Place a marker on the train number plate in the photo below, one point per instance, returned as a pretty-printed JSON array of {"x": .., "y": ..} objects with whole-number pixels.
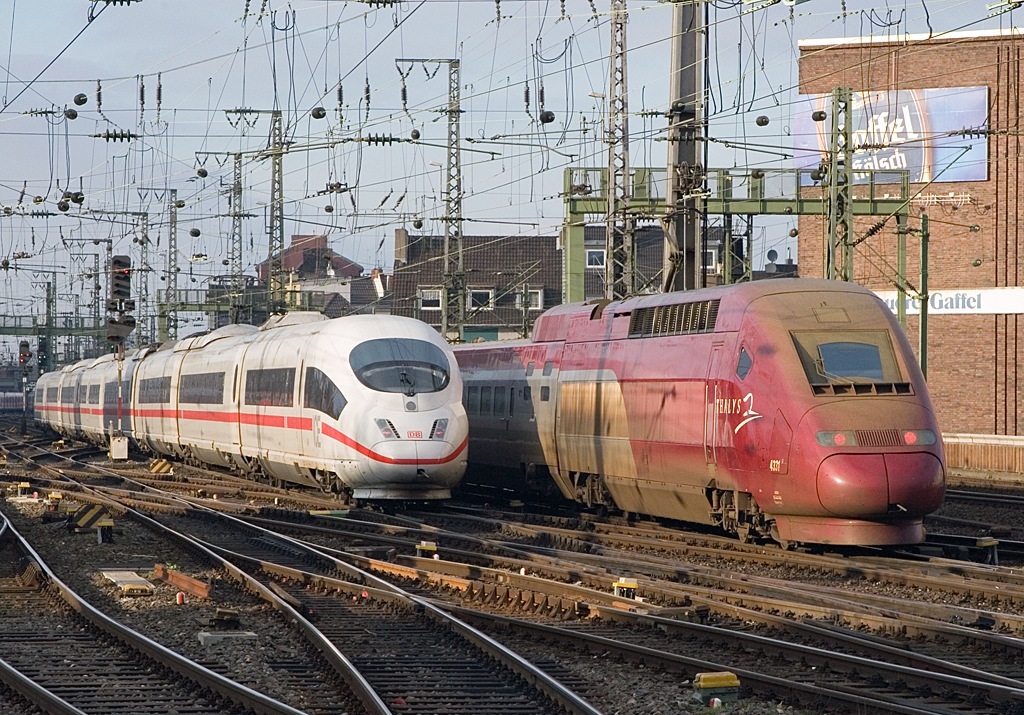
[{"x": 414, "y": 434}]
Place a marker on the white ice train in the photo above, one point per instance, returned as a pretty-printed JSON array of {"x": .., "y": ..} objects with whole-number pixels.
[{"x": 370, "y": 405}]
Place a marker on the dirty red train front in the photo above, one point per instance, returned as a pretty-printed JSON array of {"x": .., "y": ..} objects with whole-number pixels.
[{"x": 792, "y": 409}]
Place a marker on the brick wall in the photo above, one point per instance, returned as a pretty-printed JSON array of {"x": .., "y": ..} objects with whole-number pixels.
[{"x": 973, "y": 372}]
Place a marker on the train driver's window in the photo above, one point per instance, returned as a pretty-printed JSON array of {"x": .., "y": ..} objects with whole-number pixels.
[
  {"x": 744, "y": 364},
  {"x": 322, "y": 394}
]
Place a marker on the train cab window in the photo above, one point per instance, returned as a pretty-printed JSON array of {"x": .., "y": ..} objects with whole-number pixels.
[
  {"x": 548, "y": 367},
  {"x": 473, "y": 400},
  {"x": 205, "y": 388},
  {"x": 545, "y": 394},
  {"x": 744, "y": 364},
  {"x": 273, "y": 387},
  {"x": 499, "y": 402},
  {"x": 400, "y": 365},
  {"x": 849, "y": 357},
  {"x": 485, "y": 400},
  {"x": 321, "y": 394}
]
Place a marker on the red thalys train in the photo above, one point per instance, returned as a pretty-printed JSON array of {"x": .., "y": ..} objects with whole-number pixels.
[{"x": 791, "y": 409}]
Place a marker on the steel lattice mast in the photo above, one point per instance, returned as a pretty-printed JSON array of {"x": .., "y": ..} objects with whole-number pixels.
[{"x": 619, "y": 233}]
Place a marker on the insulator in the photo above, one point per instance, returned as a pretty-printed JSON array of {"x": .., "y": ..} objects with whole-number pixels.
[
  {"x": 366, "y": 92},
  {"x": 547, "y": 116},
  {"x": 761, "y": 121},
  {"x": 37, "y": 199},
  {"x": 142, "y": 93},
  {"x": 179, "y": 204},
  {"x": 194, "y": 232},
  {"x": 80, "y": 99},
  {"x": 71, "y": 113},
  {"x": 526, "y": 95},
  {"x": 202, "y": 173},
  {"x": 415, "y": 134},
  {"x": 793, "y": 233},
  {"x": 78, "y": 197},
  {"x": 818, "y": 115},
  {"x": 405, "y": 97},
  {"x": 341, "y": 95},
  {"x": 328, "y": 208},
  {"x": 417, "y": 223},
  {"x": 318, "y": 113},
  {"x": 99, "y": 95},
  {"x": 497, "y": 9},
  {"x": 540, "y": 95},
  {"x": 63, "y": 206}
]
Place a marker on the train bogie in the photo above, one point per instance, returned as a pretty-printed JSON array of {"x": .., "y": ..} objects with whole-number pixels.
[{"x": 785, "y": 408}]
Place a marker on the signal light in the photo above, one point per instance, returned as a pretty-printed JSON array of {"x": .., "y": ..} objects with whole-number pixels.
[
  {"x": 118, "y": 330},
  {"x": 836, "y": 439},
  {"x": 439, "y": 429},
  {"x": 120, "y": 278},
  {"x": 42, "y": 353},
  {"x": 918, "y": 437},
  {"x": 24, "y": 353},
  {"x": 386, "y": 429}
]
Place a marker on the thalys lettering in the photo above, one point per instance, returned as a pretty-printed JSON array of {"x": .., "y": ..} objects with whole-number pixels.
[
  {"x": 368, "y": 406},
  {"x": 788, "y": 409}
]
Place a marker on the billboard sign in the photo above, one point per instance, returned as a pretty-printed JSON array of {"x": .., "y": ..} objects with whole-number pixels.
[
  {"x": 962, "y": 301},
  {"x": 907, "y": 129}
]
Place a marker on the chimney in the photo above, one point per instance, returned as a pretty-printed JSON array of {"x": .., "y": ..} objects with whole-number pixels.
[{"x": 401, "y": 245}]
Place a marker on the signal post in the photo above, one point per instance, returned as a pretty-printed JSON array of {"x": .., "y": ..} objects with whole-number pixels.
[{"x": 120, "y": 323}]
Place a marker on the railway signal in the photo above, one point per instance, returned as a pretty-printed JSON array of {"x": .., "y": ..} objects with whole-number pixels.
[
  {"x": 118, "y": 329},
  {"x": 43, "y": 353},
  {"x": 120, "y": 281},
  {"x": 24, "y": 355}
]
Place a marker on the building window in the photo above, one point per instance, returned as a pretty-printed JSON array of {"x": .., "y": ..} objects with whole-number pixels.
[
  {"x": 430, "y": 298},
  {"x": 536, "y": 300},
  {"x": 595, "y": 258},
  {"x": 480, "y": 299}
]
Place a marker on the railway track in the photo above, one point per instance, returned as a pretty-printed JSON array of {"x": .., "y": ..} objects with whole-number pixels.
[
  {"x": 494, "y": 567},
  {"x": 64, "y": 656}
]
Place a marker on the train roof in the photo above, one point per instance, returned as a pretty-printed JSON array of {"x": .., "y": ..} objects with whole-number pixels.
[{"x": 589, "y": 319}]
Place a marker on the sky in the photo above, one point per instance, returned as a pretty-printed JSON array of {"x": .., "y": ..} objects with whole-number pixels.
[{"x": 166, "y": 71}]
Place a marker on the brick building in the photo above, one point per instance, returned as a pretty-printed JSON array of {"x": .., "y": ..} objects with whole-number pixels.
[
  {"x": 913, "y": 90},
  {"x": 510, "y": 280}
]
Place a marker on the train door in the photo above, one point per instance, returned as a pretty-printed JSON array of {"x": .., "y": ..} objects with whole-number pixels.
[{"x": 711, "y": 404}]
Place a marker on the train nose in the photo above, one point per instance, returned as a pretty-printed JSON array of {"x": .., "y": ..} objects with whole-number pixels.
[
  {"x": 874, "y": 485},
  {"x": 428, "y": 461}
]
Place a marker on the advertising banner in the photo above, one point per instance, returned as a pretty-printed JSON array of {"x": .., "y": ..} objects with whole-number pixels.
[
  {"x": 965, "y": 301},
  {"x": 906, "y": 129}
]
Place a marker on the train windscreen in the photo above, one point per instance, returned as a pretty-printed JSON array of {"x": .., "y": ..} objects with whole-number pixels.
[
  {"x": 400, "y": 365},
  {"x": 847, "y": 357}
]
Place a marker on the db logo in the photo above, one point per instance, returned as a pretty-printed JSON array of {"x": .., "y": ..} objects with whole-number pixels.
[{"x": 414, "y": 434}]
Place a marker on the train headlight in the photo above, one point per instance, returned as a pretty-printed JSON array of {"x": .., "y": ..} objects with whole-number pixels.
[
  {"x": 440, "y": 428},
  {"x": 837, "y": 439},
  {"x": 918, "y": 437},
  {"x": 387, "y": 429}
]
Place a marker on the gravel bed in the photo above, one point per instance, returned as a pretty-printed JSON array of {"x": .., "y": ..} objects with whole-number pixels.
[{"x": 258, "y": 663}]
